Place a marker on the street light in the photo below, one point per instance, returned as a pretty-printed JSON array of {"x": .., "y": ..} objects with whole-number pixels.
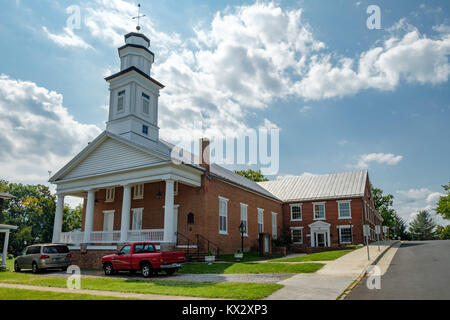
[{"x": 242, "y": 230}]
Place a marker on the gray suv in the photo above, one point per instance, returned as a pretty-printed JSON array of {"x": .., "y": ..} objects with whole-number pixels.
[{"x": 43, "y": 256}]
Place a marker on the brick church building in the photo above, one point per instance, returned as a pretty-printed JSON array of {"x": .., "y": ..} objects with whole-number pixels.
[{"x": 133, "y": 191}]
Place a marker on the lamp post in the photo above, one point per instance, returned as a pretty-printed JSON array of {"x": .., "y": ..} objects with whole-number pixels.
[{"x": 242, "y": 230}]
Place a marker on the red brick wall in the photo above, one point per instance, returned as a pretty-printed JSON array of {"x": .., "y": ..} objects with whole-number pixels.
[
  {"x": 92, "y": 259},
  {"x": 229, "y": 243},
  {"x": 331, "y": 216},
  {"x": 204, "y": 203}
]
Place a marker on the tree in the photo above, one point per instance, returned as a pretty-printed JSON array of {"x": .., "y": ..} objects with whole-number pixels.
[
  {"x": 423, "y": 227},
  {"x": 443, "y": 233},
  {"x": 32, "y": 209},
  {"x": 384, "y": 205},
  {"x": 443, "y": 205},
  {"x": 256, "y": 176},
  {"x": 72, "y": 218}
]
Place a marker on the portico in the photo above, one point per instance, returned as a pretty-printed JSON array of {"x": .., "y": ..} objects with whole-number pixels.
[
  {"x": 320, "y": 234},
  {"x": 125, "y": 182}
]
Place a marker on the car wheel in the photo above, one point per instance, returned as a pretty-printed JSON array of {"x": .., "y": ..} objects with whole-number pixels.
[
  {"x": 146, "y": 270},
  {"x": 16, "y": 266},
  {"x": 34, "y": 268},
  {"x": 108, "y": 269},
  {"x": 170, "y": 272}
]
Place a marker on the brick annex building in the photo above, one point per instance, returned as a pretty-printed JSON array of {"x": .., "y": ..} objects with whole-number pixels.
[{"x": 133, "y": 191}]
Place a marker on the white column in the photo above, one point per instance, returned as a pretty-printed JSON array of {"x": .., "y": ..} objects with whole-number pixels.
[
  {"x": 126, "y": 209},
  {"x": 57, "y": 224},
  {"x": 312, "y": 238},
  {"x": 328, "y": 238},
  {"x": 169, "y": 232},
  {"x": 5, "y": 249},
  {"x": 89, "y": 218}
]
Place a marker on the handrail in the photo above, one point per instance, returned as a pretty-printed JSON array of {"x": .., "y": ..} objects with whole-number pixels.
[
  {"x": 209, "y": 243},
  {"x": 182, "y": 236}
]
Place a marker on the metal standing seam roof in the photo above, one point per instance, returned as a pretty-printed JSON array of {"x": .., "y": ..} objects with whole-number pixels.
[{"x": 318, "y": 187}]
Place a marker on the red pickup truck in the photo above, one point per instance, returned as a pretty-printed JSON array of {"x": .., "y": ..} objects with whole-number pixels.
[{"x": 145, "y": 257}]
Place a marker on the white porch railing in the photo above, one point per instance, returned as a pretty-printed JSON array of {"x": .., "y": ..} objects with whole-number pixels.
[
  {"x": 152, "y": 235},
  {"x": 72, "y": 237},
  {"x": 105, "y": 236}
]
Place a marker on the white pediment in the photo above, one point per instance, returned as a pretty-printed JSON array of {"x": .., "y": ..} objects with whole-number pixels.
[
  {"x": 320, "y": 225},
  {"x": 111, "y": 155}
]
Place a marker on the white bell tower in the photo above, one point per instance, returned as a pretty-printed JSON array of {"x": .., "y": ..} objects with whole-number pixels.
[{"x": 133, "y": 103}]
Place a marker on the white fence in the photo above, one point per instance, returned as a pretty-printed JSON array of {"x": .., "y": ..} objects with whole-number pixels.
[{"x": 152, "y": 235}]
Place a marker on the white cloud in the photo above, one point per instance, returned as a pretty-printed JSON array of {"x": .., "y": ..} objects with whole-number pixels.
[
  {"x": 38, "y": 133},
  {"x": 67, "y": 39},
  {"x": 408, "y": 203},
  {"x": 382, "y": 158}
]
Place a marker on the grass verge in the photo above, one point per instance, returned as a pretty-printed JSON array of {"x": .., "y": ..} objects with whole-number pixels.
[
  {"x": 225, "y": 290},
  {"x": 319, "y": 256},
  {"x": 248, "y": 257},
  {"x": 251, "y": 268},
  {"x": 22, "y": 294}
]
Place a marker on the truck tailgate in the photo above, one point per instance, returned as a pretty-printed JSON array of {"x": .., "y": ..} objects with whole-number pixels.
[{"x": 173, "y": 257}]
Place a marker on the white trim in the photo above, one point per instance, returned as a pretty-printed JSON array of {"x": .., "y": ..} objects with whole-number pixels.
[
  {"x": 301, "y": 211},
  {"x": 138, "y": 191},
  {"x": 243, "y": 205},
  {"x": 324, "y": 210},
  {"x": 349, "y": 208},
  {"x": 339, "y": 233},
  {"x": 223, "y": 200},
  {"x": 137, "y": 211},
  {"x": 292, "y": 235},
  {"x": 94, "y": 247},
  {"x": 275, "y": 234},
  {"x": 110, "y": 194},
  {"x": 260, "y": 221}
]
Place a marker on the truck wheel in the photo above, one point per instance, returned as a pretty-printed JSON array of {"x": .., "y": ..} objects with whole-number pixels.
[
  {"x": 16, "y": 267},
  {"x": 171, "y": 271},
  {"x": 108, "y": 269},
  {"x": 146, "y": 270},
  {"x": 34, "y": 268}
]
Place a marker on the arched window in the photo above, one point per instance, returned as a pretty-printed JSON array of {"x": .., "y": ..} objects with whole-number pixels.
[{"x": 190, "y": 218}]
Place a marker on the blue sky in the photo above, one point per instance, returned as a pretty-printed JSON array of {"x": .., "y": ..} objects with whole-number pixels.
[{"x": 343, "y": 96}]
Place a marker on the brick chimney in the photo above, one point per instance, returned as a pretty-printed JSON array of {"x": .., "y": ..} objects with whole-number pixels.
[{"x": 204, "y": 153}]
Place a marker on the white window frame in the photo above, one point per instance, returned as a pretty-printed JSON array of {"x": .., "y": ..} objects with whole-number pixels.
[
  {"x": 244, "y": 217},
  {"x": 109, "y": 194},
  {"x": 299, "y": 205},
  {"x": 340, "y": 237},
  {"x": 121, "y": 95},
  {"x": 260, "y": 220},
  {"x": 292, "y": 234},
  {"x": 274, "y": 225},
  {"x": 349, "y": 208},
  {"x": 223, "y": 214},
  {"x": 136, "y": 211},
  {"x": 108, "y": 212},
  {"x": 138, "y": 191},
  {"x": 324, "y": 210}
]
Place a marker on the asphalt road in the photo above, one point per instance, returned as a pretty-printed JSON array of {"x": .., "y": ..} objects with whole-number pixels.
[{"x": 419, "y": 270}]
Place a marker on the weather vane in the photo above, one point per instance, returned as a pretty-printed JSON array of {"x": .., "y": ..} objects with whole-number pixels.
[{"x": 138, "y": 27}]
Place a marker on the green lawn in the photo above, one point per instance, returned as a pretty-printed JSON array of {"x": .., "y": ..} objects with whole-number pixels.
[
  {"x": 319, "y": 256},
  {"x": 21, "y": 294},
  {"x": 228, "y": 267},
  {"x": 227, "y": 290},
  {"x": 249, "y": 256}
]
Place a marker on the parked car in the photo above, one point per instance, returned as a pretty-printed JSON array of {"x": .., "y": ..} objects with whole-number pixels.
[
  {"x": 145, "y": 257},
  {"x": 43, "y": 256}
]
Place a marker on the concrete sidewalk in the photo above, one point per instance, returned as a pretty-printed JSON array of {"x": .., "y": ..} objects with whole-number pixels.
[{"x": 330, "y": 282}]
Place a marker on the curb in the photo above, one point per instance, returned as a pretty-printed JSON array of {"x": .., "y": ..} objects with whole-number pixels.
[{"x": 346, "y": 292}]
